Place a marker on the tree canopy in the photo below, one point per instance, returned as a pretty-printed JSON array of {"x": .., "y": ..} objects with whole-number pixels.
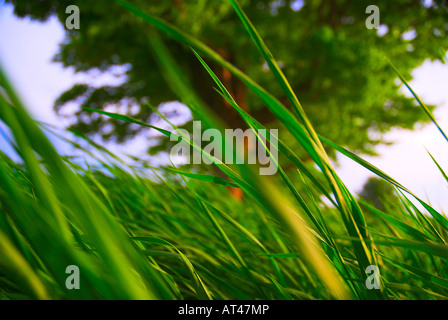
[{"x": 335, "y": 64}]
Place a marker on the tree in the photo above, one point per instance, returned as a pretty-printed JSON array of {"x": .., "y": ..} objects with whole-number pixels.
[
  {"x": 334, "y": 63},
  {"x": 379, "y": 193}
]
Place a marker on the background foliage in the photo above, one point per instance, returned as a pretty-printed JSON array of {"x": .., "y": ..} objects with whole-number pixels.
[{"x": 333, "y": 62}]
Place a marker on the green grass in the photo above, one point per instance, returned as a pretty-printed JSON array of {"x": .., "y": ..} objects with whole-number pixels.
[{"x": 184, "y": 237}]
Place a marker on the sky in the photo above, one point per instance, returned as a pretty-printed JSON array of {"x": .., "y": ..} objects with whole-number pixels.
[
  {"x": 407, "y": 160},
  {"x": 27, "y": 49}
]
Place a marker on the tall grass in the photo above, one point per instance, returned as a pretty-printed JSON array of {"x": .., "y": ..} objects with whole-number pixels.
[{"x": 136, "y": 238}]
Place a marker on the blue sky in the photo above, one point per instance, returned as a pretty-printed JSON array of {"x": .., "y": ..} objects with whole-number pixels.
[{"x": 27, "y": 49}]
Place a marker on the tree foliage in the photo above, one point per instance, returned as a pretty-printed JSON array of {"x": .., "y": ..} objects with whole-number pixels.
[
  {"x": 333, "y": 62},
  {"x": 379, "y": 193}
]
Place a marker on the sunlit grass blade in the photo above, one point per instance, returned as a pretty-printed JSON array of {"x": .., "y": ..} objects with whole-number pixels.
[
  {"x": 440, "y": 218},
  {"x": 420, "y": 102}
]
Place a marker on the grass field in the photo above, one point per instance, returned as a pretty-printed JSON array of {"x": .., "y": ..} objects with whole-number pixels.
[{"x": 182, "y": 236}]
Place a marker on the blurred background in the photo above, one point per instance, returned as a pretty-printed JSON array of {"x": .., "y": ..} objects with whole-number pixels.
[{"x": 334, "y": 63}]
